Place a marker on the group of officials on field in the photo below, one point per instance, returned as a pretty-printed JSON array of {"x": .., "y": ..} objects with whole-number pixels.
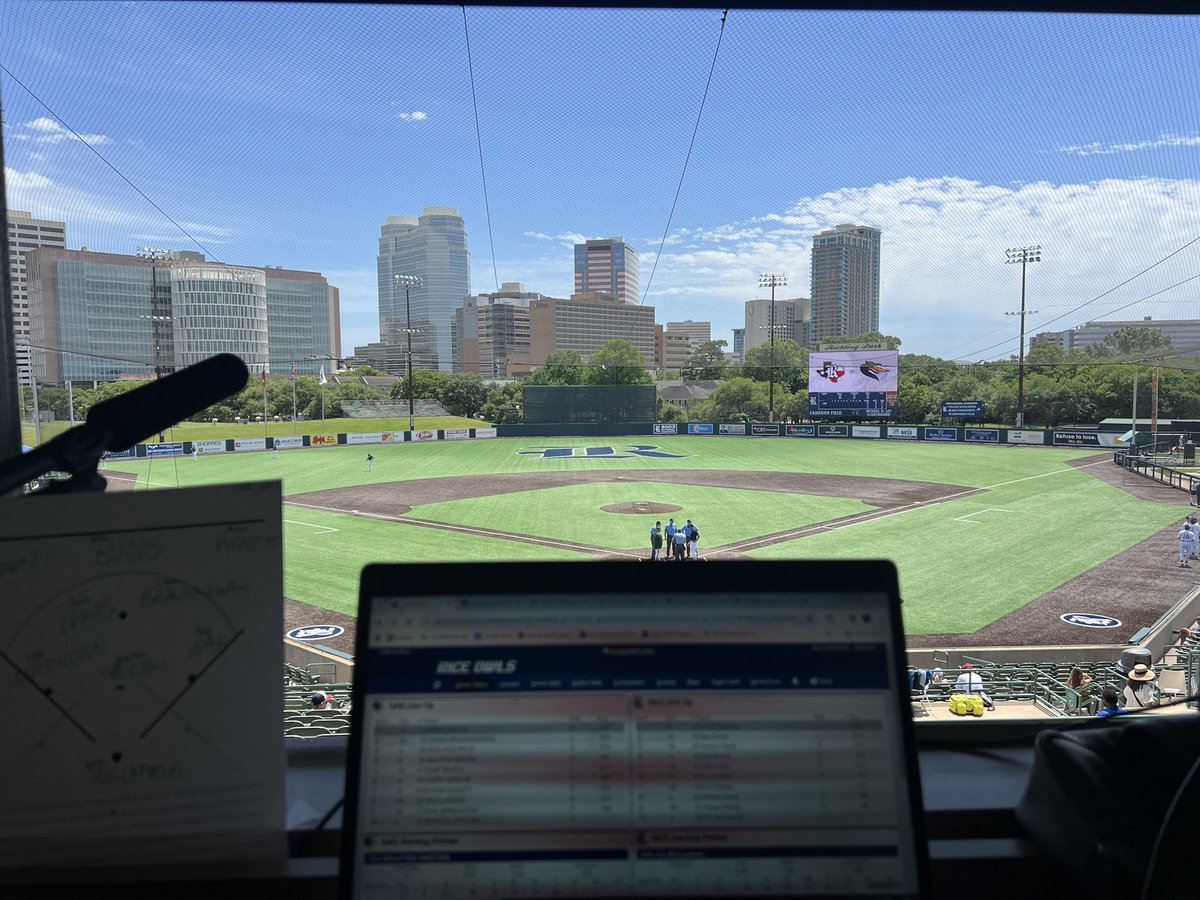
[{"x": 681, "y": 541}]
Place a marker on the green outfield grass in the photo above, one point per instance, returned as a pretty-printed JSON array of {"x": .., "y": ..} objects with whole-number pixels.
[
  {"x": 963, "y": 562},
  {"x": 198, "y": 431}
]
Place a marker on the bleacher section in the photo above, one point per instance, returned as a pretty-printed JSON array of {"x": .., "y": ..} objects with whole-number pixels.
[{"x": 300, "y": 720}]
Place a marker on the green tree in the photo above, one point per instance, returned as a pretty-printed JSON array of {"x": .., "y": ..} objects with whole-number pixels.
[
  {"x": 736, "y": 399},
  {"x": 1136, "y": 339},
  {"x": 617, "y": 361},
  {"x": 791, "y": 365},
  {"x": 670, "y": 412},
  {"x": 362, "y": 371},
  {"x": 463, "y": 394},
  {"x": 706, "y": 363},
  {"x": 560, "y": 367},
  {"x": 502, "y": 404},
  {"x": 427, "y": 385}
]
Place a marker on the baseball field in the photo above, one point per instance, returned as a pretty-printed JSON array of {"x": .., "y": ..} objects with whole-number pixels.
[{"x": 993, "y": 543}]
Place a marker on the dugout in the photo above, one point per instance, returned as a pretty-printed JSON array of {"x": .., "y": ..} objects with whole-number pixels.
[{"x": 588, "y": 403}]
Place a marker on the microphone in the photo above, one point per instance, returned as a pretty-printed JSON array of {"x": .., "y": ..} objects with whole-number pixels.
[
  {"x": 121, "y": 422},
  {"x": 157, "y": 406}
]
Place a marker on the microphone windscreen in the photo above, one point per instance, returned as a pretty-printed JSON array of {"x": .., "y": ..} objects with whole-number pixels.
[{"x": 155, "y": 407}]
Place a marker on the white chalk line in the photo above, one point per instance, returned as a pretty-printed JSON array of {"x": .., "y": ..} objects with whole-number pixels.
[
  {"x": 979, "y": 512},
  {"x": 467, "y": 529},
  {"x": 875, "y": 516},
  {"x": 325, "y": 529}
]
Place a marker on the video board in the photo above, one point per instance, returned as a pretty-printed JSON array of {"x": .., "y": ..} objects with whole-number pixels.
[{"x": 852, "y": 383}]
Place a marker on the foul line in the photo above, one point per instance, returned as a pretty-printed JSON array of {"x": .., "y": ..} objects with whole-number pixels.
[
  {"x": 874, "y": 515},
  {"x": 980, "y": 512},
  {"x": 468, "y": 529},
  {"x": 325, "y": 529}
]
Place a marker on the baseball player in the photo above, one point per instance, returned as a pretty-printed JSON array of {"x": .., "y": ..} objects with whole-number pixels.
[{"x": 1187, "y": 544}]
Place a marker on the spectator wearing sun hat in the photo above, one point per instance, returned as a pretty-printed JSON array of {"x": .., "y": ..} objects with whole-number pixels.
[{"x": 1138, "y": 693}]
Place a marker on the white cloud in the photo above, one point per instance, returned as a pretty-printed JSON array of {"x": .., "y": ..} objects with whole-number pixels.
[
  {"x": 45, "y": 130},
  {"x": 415, "y": 116},
  {"x": 1165, "y": 140},
  {"x": 944, "y": 282}
]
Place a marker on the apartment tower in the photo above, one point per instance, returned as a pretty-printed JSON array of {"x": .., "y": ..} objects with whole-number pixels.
[
  {"x": 845, "y": 282},
  {"x": 26, "y": 233}
]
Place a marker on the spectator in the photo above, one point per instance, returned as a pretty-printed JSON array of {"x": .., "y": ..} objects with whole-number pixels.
[
  {"x": 321, "y": 700},
  {"x": 1110, "y": 707},
  {"x": 1138, "y": 693},
  {"x": 939, "y": 677},
  {"x": 1078, "y": 678},
  {"x": 968, "y": 681}
]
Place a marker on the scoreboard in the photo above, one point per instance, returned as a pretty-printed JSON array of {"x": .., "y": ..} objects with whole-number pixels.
[
  {"x": 852, "y": 384},
  {"x": 852, "y": 405}
]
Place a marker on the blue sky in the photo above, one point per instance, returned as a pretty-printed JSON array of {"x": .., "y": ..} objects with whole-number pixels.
[{"x": 285, "y": 134}]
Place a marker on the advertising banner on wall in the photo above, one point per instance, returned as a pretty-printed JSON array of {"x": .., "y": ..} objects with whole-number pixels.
[
  {"x": 485, "y": 432},
  {"x": 121, "y": 454},
  {"x": 833, "y": 431},
  {"x": 765, "y": 430},
  {"x": 364, "y": 437},
  {"x": 864, "y": 431},
  {"x": 164, "y": 449},
  {"x": 242, "y": 444},
  {"x": 424, "y": 434},
  {"x": 666, "y": 428},
  {"x": 941, "y": 434},
  {"x": 800, "y": 430},
  {"x": 209, "y": 446},
  {"x": 322, "y": 440},
  {"x": 1077, "y": 438},
  {"x": 289, "y": 442},
  {"x": 902, "y": 432},
  {"x": 732, "y": 428},
  {"x": 1024, "y": 436},
  {"x": 458, "y": 434},
  {"x": 981, "y": 435},
  {"x": 700, "y": 428}
]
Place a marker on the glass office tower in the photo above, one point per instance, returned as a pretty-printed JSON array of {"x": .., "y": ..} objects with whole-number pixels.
[{"x": 433, "y": 247}]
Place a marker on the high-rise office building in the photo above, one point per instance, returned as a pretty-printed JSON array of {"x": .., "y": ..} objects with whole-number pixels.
[
  {"x": 607, "y": 265},
  {"x": 433, "y": 247},
  {"x": 118, "y": 315},
  {"x": 739, "y": 343},
  {"x": 699, "y": 332},
  {"x": 671, "y": 350},
  {"x": 845, "y": 282},
  {"x": 585, "y": 322},
  {"x": 491, "y": 331},
  {"x": 791, "y": 323},
  {"x": 26, "y": 233},
  {"x": 1184, "y": 334}
]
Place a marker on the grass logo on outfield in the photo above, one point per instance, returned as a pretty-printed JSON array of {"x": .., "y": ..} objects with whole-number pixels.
[{"x": 627, "y": 452}]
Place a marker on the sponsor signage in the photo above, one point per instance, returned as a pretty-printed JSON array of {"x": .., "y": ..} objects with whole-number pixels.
[
  {"x": 242, "y": 444},
  {"x": 864, "y": 431},
  {"x": 457, "y": 434},
  {"x": 699, "y": 428},
  {"x": 981, "y": 435},
  {"x": 365, "y": 437},
  {"x": 962, "y": 409},
  {"x": 121, "y": 454},
  {"x": 770, "y": 430},
  {"x": 733, "y": 428},
  {"x": 1078, "y": 438},
  {"x": 902, "y": 432},
  {"x": 485, "y": 432},
  {"x": 321, "y": 440},
  {"x": 1023, "y": 436},
  {"x": 833, "y": 431},
  {"x": 941, "y": 434},
  {"x": 315, "y": 632},
  {"x": 209, "y": 446},
  {"x": 423, "y": 435},
  {"x": 289, "y": 442},
  {"x": 800, "y": 430},
  {"x": 666, "y": 428},
  {"x": 164, "y": 449},
  {"x": 1090, "y": 620}
]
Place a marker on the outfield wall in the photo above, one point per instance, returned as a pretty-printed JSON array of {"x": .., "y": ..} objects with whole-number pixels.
[{"x": 844, "y": 431}]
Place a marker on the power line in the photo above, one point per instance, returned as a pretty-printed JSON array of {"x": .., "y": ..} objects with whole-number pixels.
[
  {"x": 479, "y": 143},
  {"x": 692, "y": 143}
]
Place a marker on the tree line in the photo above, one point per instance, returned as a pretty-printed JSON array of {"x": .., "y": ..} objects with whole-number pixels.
[{"x": 1060, "y": 388}]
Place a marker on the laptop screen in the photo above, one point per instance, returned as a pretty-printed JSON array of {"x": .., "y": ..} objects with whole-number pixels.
[{"x": 617, "y": 730}]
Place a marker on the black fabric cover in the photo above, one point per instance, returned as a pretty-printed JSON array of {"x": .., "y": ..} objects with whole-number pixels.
[{"x": 1098, "y": 795}]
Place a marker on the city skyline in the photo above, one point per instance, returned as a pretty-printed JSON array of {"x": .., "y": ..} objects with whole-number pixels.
[{"x": 262, "y": 157}]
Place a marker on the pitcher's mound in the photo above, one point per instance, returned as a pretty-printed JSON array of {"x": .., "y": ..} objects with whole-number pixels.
[{"x": 641, "y": 508}]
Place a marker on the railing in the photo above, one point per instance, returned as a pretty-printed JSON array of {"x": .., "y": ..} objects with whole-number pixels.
[{"x": 1148, "y": 468}]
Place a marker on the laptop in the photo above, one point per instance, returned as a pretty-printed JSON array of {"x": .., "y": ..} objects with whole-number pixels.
[{"x": 625, "y": 729}]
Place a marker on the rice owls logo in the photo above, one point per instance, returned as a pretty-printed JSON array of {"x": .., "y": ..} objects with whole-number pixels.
[{"x": 831, "y": 370}]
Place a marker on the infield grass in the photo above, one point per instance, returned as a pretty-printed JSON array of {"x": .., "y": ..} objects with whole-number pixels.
[{"x": 963, "y": 562}]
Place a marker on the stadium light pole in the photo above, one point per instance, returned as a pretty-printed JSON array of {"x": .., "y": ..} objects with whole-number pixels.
[
  {"x": 772, "y": 281},
  {"x": 409, "y": 282},
  {"x": 1024, "y": 256}
]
